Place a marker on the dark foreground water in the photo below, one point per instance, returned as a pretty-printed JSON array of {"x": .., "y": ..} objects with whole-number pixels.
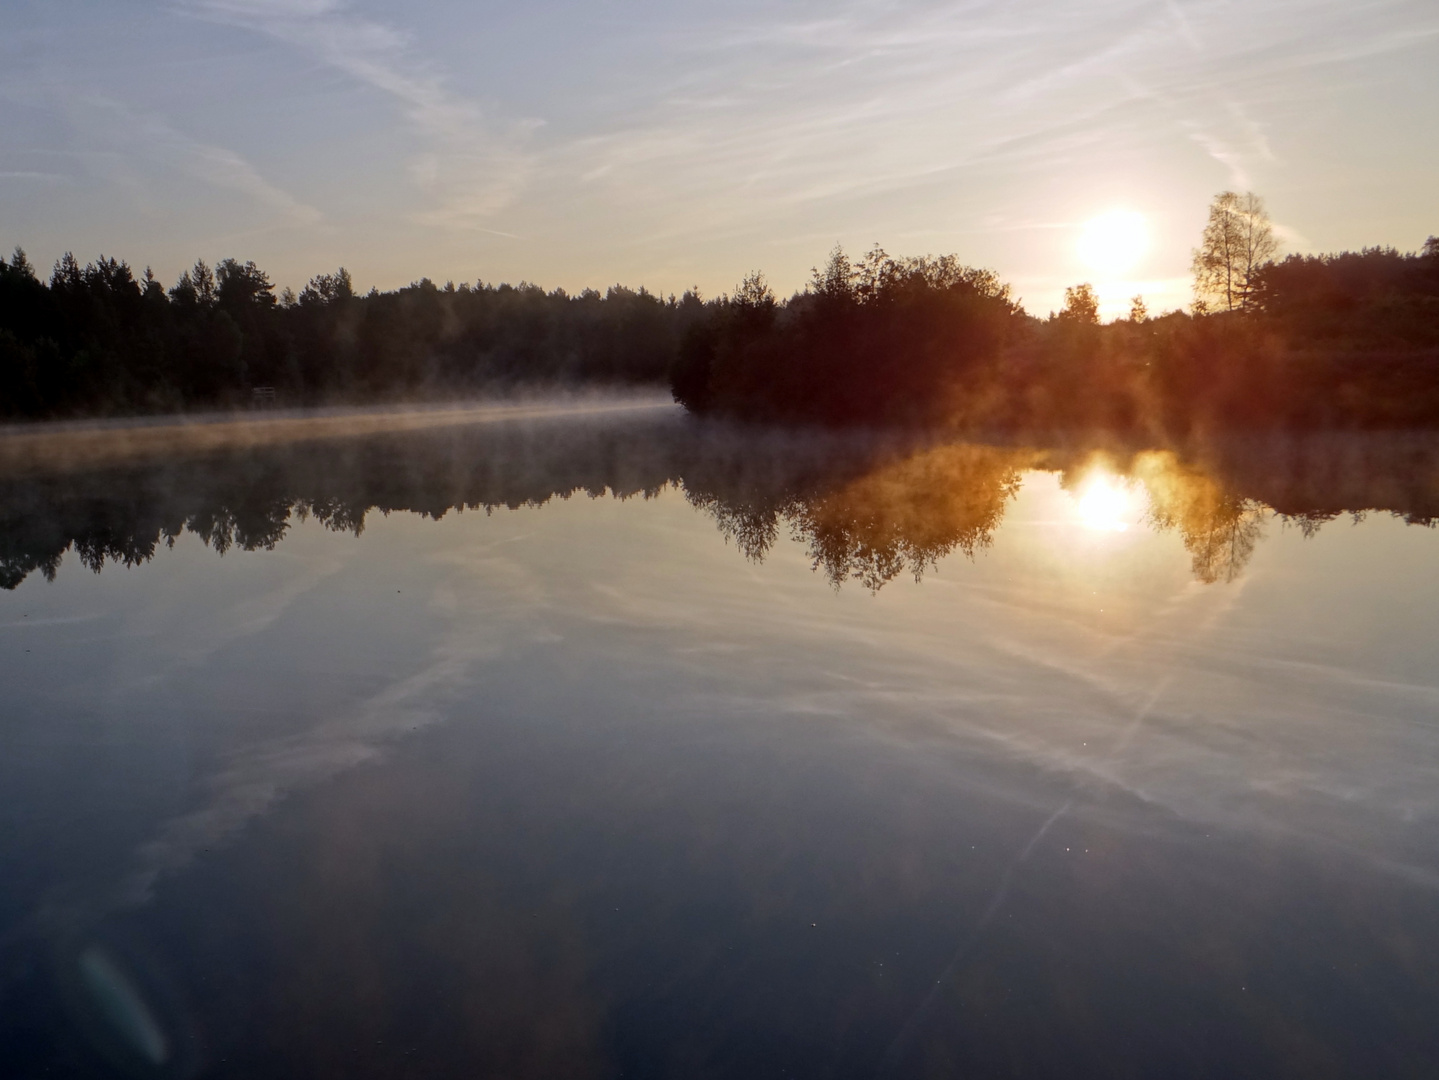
[{"x": 612, "y": 745}]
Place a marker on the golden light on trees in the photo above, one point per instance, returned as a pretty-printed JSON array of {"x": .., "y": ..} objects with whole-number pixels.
[
  {"x": 1238, "y": 240},
  {"x": 1081, "y": 304}
]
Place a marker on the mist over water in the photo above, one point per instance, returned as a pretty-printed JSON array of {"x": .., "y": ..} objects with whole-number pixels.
[{"x": 590, "y": 739}]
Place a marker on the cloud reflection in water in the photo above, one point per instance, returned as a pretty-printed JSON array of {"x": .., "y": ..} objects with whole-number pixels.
[{"x": 600, "y": 694}]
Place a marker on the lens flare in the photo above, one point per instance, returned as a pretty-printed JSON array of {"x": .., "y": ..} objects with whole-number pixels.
[{"x": 123, "y": 1007}]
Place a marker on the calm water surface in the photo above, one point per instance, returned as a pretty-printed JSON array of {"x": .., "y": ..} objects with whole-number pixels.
[{"x": 612, "y": 745}]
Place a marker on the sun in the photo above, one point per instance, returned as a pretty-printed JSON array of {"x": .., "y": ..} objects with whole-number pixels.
[{"x": 1113, "y": 243}]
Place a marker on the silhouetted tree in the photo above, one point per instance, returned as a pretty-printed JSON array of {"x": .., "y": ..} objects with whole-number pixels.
[
  {"x": 882, "y": 341},
  {"x": 240, "y": 287},
  {"x": 1374, "y": 299},
  {"x": 754, "y": 292},
  {"x": 836, "y": 279}
]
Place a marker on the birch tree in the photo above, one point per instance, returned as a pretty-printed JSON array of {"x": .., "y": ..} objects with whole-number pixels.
[{"x": 1238, "y": 240}]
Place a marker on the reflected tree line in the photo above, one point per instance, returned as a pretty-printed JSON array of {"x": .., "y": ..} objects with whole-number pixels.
[{"x": 867, "y": 507}]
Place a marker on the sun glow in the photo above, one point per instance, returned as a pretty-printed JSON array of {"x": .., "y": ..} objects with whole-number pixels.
[
  {"x": 1113, "y": 243},
  {"x": 1105, "y": 503}
]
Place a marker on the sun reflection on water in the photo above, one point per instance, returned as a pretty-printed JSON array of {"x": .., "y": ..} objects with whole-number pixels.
[{"x": 1105, "y": 503}]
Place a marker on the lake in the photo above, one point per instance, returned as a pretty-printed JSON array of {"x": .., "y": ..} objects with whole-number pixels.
[{"x": 595, "y": 741}]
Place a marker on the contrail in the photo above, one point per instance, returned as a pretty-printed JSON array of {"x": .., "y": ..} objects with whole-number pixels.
[{"x": 897, "y": 1049}]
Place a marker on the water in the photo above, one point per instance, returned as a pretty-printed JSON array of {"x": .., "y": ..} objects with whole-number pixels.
[{"x": 608, "y": 744}]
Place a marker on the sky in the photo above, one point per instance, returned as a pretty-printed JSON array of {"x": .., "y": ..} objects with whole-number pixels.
[{"x": 680, "y": 144}]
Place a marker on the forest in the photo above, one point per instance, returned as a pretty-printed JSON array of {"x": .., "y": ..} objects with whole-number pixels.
[
  {"x": 1307, "y": 341},
  {"x": 98, "y": 340},
  {"x": 1347, "y": 340}
]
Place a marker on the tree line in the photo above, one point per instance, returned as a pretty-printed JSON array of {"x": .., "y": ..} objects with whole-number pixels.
[
  {"x": 1307, "y": 341},
  {"x": 1350, "y": 339},
  {"x": 97, "y": 339}
]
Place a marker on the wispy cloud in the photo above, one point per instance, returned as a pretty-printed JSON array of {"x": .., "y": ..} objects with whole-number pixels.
[
  {"x": 227, "y": 169},
  {"x": 868, "y": 101},
  {"x": 26, "y": 174},
  {"x": 1186, "y": 29},
  {"x": 261, "y": 775},
  {"x": 689, "y": 143},
  {"x": 871, "y": 99},
  {"x": 473, "y": 165},
  {"x": 1228, "y": 155},
  {"x": 125, "y": 146}
]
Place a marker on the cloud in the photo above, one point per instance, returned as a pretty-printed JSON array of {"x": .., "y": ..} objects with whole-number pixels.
[
  {"x": 764, "y": 115},
  {"x": 227, "y": 169},
  {"x": 125, "y": 144},
  {"x": 263, "y": 774},
  {"x": 1291, "y": 237},
  {"x": 759, "y": 111},
  {"x": 28, "y": 174},
  {"x": 1181, "y": 21},
  {"x": 473, "y": 167},
  {"x": 1227, "y": 155}
]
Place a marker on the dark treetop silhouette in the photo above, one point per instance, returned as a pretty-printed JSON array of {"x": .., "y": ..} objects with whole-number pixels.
[
  {"x": 1348, "y": 340},
  {"x": 96, "y": 340}
]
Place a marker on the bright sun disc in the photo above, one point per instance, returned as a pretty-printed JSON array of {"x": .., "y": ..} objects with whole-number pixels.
[
  {"x": 1114, "y": 242},
  {"x": 1105, "y": 504}
]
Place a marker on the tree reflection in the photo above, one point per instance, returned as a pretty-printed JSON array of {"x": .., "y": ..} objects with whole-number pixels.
[
  {"x": 867, "y": 507},
  {"x": 901, "y": 513},
  {"x": 906, "y": 515},
  {"x": 1219, "y": 526}
]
